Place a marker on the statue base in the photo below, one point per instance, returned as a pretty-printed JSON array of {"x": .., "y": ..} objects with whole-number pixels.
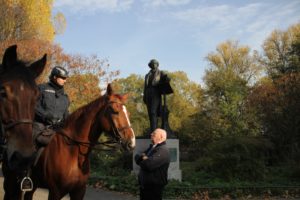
[{"x": 174, "y": 171}]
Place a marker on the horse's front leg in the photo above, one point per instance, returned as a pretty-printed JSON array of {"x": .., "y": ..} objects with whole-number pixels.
[
  {"x": 11, "y": 189},
  {"x": 55, "y": 194},
  {"x": 13, "y": 196},
  {"x": 78, "y": 193},
  {"x": 29, "y": 195},
  {"x": 9, "y": 195}
]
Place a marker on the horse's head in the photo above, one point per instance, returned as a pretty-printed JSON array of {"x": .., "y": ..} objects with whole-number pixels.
[
  {"x": 116, "y": 119},
  {"x": 18, "y": 94}
]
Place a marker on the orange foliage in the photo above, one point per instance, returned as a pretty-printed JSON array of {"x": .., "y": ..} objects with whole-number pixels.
[
  {"x": 277, "y": 102},
  {"x": 87, "y": 74}
]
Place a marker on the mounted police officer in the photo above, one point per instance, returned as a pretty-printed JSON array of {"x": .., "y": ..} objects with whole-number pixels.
[
  {"x": 152, "y": 94},
  {"x": 52, "y": 106},
  {"x": 2, "y": 141}
]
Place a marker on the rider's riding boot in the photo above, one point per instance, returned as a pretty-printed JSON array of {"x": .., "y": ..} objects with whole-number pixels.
[
  {"x": 2, "y": 143},
  {"x": 1, "y": 153}
]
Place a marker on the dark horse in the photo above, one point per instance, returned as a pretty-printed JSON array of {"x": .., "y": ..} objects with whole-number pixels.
[
  {"x": 18, "y": 94},
  {"x": 64, "y": 166}
]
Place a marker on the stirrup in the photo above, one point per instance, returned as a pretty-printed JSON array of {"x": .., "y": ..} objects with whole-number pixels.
[{"x": 26, "y": 184}]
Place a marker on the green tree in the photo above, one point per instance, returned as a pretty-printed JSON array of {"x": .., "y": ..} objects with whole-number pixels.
[
  {"x": 134, "y": 85},
  {"x": 183, "y": 103},
  {"x": 233, "y": 70}
]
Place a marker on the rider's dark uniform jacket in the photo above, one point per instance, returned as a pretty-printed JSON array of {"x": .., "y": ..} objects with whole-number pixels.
[
  {"x": 52, "y": 106},
  {"x": 154, "y": 170}
]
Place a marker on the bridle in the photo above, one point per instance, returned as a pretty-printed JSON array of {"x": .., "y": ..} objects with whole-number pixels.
[
  {"x": 12, "y": 123},
  {"x": 116, "y": 132},
  {"x": 4, "y": 126}
]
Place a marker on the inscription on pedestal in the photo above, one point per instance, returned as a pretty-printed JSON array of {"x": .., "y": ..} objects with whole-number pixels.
[{"x": 173, "y": 154}]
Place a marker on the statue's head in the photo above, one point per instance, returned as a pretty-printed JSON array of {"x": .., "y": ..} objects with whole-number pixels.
[{"x": 153, "y": 64}]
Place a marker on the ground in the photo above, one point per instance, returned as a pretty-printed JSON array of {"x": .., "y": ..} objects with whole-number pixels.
[{"x": 91, "y": 194}]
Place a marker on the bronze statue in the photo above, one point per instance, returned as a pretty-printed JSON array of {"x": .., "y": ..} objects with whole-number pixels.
[{"x": 156, "y": 84}]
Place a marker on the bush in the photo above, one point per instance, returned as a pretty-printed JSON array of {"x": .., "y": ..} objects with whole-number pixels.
[
  {"x": 236, "y": 158},
  {"x": 232, "y": 166}
]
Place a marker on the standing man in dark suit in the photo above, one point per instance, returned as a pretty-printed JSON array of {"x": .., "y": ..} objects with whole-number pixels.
[
  {"x": 152, "y": 94},
  {"x": 154, "y": 164}
]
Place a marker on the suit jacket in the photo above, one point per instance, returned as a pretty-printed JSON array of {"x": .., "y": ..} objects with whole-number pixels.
[{"x": 154, "y": 170}]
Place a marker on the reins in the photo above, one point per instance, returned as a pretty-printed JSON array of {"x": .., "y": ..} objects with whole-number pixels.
[
  {"x": 93, "y": 145},
  {"x": 15, "y": 123}
]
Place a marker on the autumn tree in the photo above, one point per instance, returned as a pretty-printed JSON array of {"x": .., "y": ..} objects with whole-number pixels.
[
  {"x": 277, "y": 98},
  {"x": 89, "y": 75},
  {"x": 30, "y": 50},
  {"x": 34, "y": 32},
  {"x": 30, "y": 25},
  {"x": 280, "y": 52},
  {"x": 26, "y": 19}
]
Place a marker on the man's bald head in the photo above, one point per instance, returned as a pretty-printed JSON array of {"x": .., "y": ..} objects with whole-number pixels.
[{"x": 158, "y": 136}]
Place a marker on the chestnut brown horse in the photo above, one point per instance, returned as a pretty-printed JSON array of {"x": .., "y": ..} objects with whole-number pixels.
[
  {"x": 64, "y": 166},
  {"x": 18, "y": 94}
]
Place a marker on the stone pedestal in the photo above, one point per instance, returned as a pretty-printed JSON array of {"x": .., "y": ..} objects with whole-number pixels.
[{"x": 174, "y": 171}]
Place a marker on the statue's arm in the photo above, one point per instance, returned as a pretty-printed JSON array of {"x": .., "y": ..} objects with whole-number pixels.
[{"x": 164, "y": 77}]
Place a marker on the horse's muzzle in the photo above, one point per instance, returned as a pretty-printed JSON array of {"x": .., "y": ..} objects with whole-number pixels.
[{"x": 129, "y": 145}]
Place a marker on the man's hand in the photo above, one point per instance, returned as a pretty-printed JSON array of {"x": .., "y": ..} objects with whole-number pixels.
[
  {"x": 48, "y": 118},
  {"x": 144, "y": 156}
]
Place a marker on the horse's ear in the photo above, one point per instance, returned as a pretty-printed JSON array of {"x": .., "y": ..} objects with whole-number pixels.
[
  {"x": 10, "y": 57},
  {"x": 37, "y": 67},
  {"x": 125, "y": 97},
  {"x": 109, "y": 90}
]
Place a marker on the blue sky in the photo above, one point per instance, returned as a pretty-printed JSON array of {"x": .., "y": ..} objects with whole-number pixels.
[{"x": 178, "y": 33}]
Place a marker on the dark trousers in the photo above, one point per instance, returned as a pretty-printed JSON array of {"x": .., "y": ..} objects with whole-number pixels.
[
  {"x": 153, "y": 106},
  {"x": 151, "y": 192}
]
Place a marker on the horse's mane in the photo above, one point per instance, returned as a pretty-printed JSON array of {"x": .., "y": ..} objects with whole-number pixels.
[
  {"x": 18, "y": 71},
  {"x": 86, "y": 109},
  {"x": 89, "y": 108}
]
